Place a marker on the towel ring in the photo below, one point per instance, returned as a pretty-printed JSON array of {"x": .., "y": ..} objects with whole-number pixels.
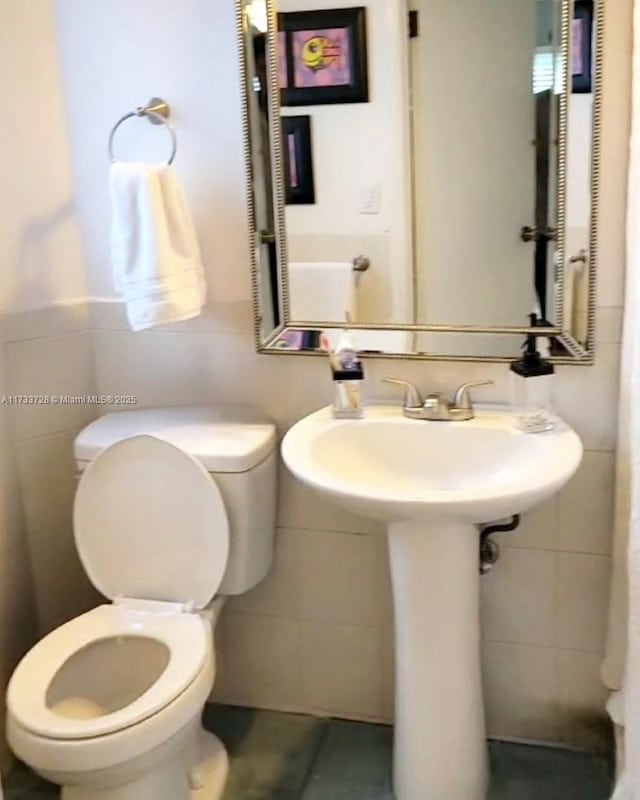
[{"x": 157, "y": 111}]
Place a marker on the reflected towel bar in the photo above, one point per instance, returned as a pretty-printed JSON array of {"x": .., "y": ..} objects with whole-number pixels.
[{"x": 361, "y": 263}]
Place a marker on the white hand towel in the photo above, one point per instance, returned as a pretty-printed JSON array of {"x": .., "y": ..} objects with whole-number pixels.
[{"x": 155, "y": 254}]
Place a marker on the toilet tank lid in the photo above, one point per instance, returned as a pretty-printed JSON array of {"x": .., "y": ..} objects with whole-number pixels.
[{"x": 222, "y": 439}]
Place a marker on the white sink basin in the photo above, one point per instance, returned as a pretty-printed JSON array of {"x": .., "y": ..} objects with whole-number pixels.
[
  {"x": 393, "y": 468},
  {"x": 432, "y": 482}
]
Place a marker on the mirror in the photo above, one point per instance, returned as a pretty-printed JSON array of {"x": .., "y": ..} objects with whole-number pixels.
[{"x": 425, "y": 171}]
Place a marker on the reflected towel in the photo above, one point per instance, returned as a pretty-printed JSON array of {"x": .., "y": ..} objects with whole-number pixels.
[
  {"x": 155, "y": 254},
  {"x": 321, "y": 291}
]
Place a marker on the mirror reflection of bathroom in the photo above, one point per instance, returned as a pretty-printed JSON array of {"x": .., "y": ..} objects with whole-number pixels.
[
  {"x": 463, "y": 178},
  {"x": 318, "y": 445}
]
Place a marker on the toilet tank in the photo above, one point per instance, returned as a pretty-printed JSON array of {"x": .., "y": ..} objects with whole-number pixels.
[{"x": 238, "y": 449}]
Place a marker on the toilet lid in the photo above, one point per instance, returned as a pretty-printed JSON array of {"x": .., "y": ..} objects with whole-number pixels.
[{"x": 150, "y": 523}]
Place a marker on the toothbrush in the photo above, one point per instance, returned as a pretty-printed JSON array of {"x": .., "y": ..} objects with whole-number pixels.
[{"x": 336, "y": 366}]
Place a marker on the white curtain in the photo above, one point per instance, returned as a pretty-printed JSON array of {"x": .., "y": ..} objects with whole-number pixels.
[{"x": 621, "y": 668}]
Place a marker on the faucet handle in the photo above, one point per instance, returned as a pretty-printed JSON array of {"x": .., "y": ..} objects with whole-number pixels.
[
  {"x": 412, "y": 397},
  {"x": 462, "y": 398}
]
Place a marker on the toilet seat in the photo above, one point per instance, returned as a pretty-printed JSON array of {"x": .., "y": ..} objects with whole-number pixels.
[
  {"x": 150, "y": 523},
  {"x": 184, "y": 635},
  {"x": 169, "y": 557}
]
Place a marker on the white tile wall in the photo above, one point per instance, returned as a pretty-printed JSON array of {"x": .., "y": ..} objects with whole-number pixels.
[
  {"x": 47, "y": 470},
  {"x": 340, "y": 669},
  {"x": 519, "y": 599},
  {"x": 344, "y": 590},
  {"x": 388, "y": 673},
  {"x": 300, "y": 507},
  {"x": 317, "y": 634},
  {"x": 17, "y": 613},
  {"x": 62, "y": 589},
  {"x": 537, "y": 529},
  {"x": 47, "y": 352},
  {"x": 17, "y": 621},
  {"x": 585, "y": 507},
  {"x": 175, "y": 366},
  {"x": 521, "y": 691},
  {"x": 582, "y": 599},
  {"x": 260, "y": 658},
  {"x": 51, "y": 321},
  {"x": 588, "y": 398},
  {"x": 581, "y": 697},
  {"x": 43, "y": 369},
  {"x": 279, "y": 591},
  {"x": 50, "y": 353},
  {"x": 327, "y": 576}
]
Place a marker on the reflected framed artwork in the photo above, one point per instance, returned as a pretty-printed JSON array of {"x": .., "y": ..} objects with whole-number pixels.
[
  {"x": 323, "y": 57},
  {"x": 581, "y": 47},
  {"x": 283, "y": 73},
  {"x": 298, "y": 161}
]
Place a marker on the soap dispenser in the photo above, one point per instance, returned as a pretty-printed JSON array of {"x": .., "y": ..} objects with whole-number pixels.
[{"x": 532, "y": 389}]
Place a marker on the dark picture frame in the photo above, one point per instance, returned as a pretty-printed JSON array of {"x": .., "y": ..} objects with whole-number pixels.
[
  {"x": 298, "y": 160},
  {"x": 582, "y": 47},
  {"x": 323, "y": 57}
]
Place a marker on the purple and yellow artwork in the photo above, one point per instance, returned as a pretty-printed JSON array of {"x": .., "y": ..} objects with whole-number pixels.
[
  {"x": 577, "y": 46},
  {"x": 283, "y": 77},
  {"x": 293, "y": 161},
  {"x": 321, "y": 58},
  {"x": 298, "y": 160},
  {"x": 582, "y": 47}
]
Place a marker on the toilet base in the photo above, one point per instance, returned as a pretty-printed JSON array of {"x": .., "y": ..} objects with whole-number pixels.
[
  {"x": 170, "y": 781},
  {"x": 210, "y": 775}
]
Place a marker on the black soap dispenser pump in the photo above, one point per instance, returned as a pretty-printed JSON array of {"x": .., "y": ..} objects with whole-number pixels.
[{"x": 532, "y": 384}]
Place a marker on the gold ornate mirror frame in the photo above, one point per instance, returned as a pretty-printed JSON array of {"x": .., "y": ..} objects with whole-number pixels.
[{"x": 576, "y": 353}]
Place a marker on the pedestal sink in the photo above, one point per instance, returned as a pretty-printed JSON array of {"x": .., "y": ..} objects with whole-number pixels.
[{"x": 433, "y": 483}]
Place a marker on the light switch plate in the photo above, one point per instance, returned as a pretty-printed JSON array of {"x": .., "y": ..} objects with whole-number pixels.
[{"x": 370, "y": 200}]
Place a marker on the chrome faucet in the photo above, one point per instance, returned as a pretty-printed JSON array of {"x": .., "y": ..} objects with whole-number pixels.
[{"x": 437, "y": 408}]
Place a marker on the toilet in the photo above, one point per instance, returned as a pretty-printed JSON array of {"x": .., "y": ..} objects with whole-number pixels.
[{"x": 174, "y": 510}]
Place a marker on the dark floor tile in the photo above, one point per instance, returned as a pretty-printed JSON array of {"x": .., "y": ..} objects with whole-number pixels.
[
  {"x": 354, "y": 763},
  {"x": 275, "y": 756},
  {"x": 22, "y": 783},
  {"x": 270, "y": 753},
  {"x": 522, "y": 772},
  {"x": 41, "y": 794}
]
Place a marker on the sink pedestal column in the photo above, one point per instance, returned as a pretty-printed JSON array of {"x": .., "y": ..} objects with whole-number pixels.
[{"x": 440, "y": 747}]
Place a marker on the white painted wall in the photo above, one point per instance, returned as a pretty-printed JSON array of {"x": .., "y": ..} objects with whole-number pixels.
[
  {"x": 41, "y": 259},
  {"x": 114, "y": 57},
  {"x": 579, "y": 144},
  {"x": 576, "y": 276},
  {"x": 40, "y": 264},
  {"x": 357, "y": 146}
]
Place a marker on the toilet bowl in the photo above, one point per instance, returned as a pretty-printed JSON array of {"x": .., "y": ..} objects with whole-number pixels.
[
  {"x": 61, "y": 723},
  {"x": 108, "y": 705}
]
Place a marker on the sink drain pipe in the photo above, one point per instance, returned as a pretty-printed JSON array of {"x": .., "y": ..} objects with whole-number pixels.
[{"x": 490, "y": 550}]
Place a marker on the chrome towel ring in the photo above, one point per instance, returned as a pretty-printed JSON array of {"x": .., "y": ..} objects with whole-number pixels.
[{"x": 157, "y": 112}]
